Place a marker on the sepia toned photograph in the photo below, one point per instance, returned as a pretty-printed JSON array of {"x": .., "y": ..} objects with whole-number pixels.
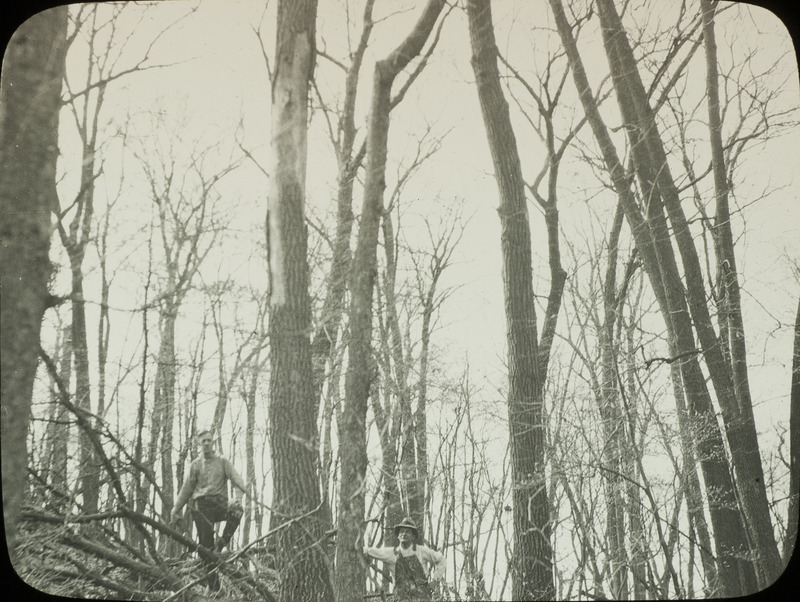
[{"x": 399, "y": 301}]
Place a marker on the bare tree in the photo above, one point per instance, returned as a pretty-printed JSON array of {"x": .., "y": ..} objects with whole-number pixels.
[
  {"x": 660, "y": 265},
  {"x": 528, "y": 358},
  {"x": 656, "y": 179},
  {"x": 292, "y": 405},
  {"x": 350, "y": 574},
  {"x": 30, "y": 100},
  {"x": 99, "y": 30}
]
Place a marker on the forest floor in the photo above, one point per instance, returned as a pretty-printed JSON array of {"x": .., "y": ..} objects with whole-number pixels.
[{"x": 88, "y": 559}]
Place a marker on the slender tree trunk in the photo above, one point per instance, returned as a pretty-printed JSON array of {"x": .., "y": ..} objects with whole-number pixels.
[
  {"x": 104, "y": 320},
  {"x": 76, "y": 242},
  {"x": 388, "y": 433},
  {"x": 30, "y": 100},
  {"x": 58, "y": 430},
  {"x": 790, "y": 540},
  {"x": 736, "y": 409},
  {"x": 411, "y": 485},
  {"x": 659, "y": 263},
  {"x": 637, "y": 536},
  {"x": 293, "y": 406},
  {"x": 613, "y": 423},
  {"x": 250, "y": 451},
  {"x": 694, "y": 501},
  {"x": 141, "y": 489},
  {"x": 350, "y": 577},
  {"x": 532, "y": 570},
  {"x": 165, "y": 398},
  {"x": 88, "y": 473}
]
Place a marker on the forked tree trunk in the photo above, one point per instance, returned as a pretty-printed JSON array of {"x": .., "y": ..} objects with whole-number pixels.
[{"x": 350, "y": 575}]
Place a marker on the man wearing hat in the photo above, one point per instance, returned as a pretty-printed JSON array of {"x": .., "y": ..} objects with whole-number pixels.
[{"x": 410, "y": 563}]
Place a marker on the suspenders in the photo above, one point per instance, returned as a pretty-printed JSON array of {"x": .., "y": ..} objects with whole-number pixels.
[{"x": 410, "y": 580}]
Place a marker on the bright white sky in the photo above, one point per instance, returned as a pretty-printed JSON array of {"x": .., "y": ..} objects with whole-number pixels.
[{"x": 218, "y": 80}]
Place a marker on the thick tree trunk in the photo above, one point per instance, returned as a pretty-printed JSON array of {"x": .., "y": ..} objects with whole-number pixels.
[
  {"x": 292, "y": 405},
  {"x": 30, "y": 100},
  {"x": 532, "y": 570},
  {"x": 350, "y": 577}
]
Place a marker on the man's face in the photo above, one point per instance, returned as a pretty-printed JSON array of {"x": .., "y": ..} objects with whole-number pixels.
[
  {"x": 206, "y": 443},
  {"x": 405, "y": 536}
]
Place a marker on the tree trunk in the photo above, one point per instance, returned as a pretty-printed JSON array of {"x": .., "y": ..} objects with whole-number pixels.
[
  {"x": 613, "y": 421},
  {"x": 249, "y": 395},
  {"x": 659, "y": 263},
  {"x": 293, "y": 406},
  {"x": 736, "y": 408},
  {"x": 58, "y": 429},
  {"x": 790, "y": 540},
  {"x": 333, "y": 306},
  {"x": 164, "y": 397},
  {"x": 89, "y": 476},
  {"x": 532, "y": 570},
  {"x": 691, "y": 483},
  {"x": 350, "y": 577},
  {"x": 411, "y": 486},
  {"x": 30, "y": 100},
  {"x": 75, "y": 241}
]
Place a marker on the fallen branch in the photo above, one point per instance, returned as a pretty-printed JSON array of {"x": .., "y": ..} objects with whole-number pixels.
[{"x": 159, "y": 574}]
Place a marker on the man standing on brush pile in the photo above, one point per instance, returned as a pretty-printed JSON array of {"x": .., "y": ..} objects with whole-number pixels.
[
  {"x": 206, "y": 486},
  {"x": 409, "y": 563}
]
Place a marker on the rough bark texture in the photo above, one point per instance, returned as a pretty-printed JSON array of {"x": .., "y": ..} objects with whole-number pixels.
[
  {"x": 292, "y": 404},
  {"x": 532, "y": 570},
  {"x": 30, "y": 99},
  {"x": 350, "y": 576}
]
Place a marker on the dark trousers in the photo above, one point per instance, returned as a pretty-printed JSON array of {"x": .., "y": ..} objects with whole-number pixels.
[{"x": 208, "y": 511}]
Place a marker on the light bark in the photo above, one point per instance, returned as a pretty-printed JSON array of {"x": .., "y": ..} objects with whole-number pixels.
[{"x": 294, "y": 439}]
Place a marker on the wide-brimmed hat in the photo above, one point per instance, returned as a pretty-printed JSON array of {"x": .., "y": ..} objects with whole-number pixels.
[{"x": 406, "y": 523}]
